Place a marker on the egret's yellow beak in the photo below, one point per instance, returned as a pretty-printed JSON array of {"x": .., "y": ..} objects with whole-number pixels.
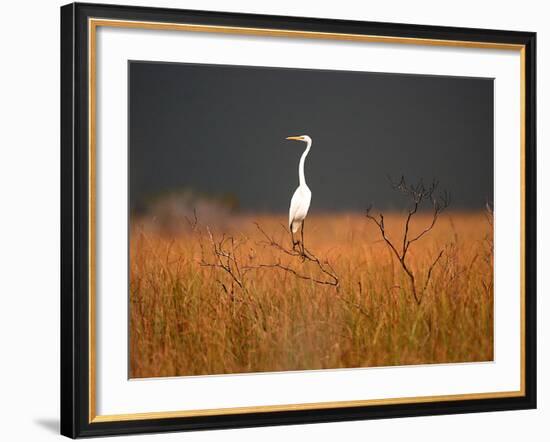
[{"x": 294, "y": 138}]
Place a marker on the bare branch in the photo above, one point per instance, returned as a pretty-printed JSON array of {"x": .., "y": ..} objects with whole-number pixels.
[
  {"x": 305, "y": 255},
  {"x": 278, "y": 265},
  {"x": 431, "y": 269},
  {"x": 225, "y": 258},
  {"x": 380, "y": 224},
  {"x": 417, "y": 194},
  {"x": 270, "y": 241},
  {"x": 225, "y": 253}
]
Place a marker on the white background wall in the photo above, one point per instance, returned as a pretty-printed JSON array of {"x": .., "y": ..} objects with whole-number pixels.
[{"x": 29, "y": 218}]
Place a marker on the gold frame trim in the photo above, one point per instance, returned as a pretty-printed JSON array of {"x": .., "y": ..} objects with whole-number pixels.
[{"x": 93, "y": 24}]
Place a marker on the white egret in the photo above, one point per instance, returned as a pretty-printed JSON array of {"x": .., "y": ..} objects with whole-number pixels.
[{"x": 299, "y": 204}]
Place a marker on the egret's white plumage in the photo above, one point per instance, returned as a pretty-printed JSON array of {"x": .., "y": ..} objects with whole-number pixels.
[{"x": 299, "y": 204}]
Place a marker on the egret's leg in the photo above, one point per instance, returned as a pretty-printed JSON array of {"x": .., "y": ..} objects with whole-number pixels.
[
  {"x": 302, "y": 235},
  {"x": 294, "y": 243}
]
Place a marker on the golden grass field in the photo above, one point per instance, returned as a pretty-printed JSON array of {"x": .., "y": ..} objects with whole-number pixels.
[{"x": 187, "y": 318}]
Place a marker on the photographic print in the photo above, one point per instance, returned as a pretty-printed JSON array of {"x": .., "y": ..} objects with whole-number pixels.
[
  {"x": 272, "y": 220},
  {"x": 302, "y": 219}
]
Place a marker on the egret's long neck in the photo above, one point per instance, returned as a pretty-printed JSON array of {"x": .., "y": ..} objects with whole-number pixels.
[{"x": 301, "y": 173}]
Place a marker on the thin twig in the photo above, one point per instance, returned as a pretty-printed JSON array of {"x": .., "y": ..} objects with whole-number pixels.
[
  {"x": 225, "y": 258},
  {"x": 430, "y": 270},
  {"x": 280, "y": 266}
]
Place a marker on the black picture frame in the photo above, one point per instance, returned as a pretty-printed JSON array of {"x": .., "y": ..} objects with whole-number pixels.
[{"x": 75, "y": 219}]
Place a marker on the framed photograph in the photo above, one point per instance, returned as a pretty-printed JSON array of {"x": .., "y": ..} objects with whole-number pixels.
[{"x": 279, "y": 220}]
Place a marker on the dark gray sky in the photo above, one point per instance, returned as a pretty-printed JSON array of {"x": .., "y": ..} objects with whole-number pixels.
[{"x": 221, "y": 130}]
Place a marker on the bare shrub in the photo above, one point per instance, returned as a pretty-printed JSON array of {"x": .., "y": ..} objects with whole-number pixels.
[
  {"x": 330, "y": 277},
  {"x": 225, "y": 252},
  {"x": 418, "y": 195}
]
